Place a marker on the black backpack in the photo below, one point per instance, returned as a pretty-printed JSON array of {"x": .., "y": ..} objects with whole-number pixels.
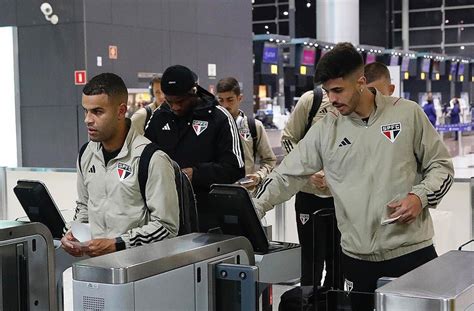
[
  {"x": 188, "y": 217},
  {"x": 317, "y": 100},
  {"x": 253, "y": 133}
]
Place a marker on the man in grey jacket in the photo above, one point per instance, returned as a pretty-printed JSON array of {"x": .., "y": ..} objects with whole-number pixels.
[
  {"x": 385, "y": 166},
  {"x": 109, "y": 196}
]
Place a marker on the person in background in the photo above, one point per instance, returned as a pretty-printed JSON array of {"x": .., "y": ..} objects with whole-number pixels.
[
  {"x": 378, "y": 76},
  {"x": 199, "y": 134},
  {"x": 455, "y": 115},
  {"x": 314, "y": 196},
  {"x": 140, "y": 117},
  {"x": 258, "y": 147},
  {"x": 429, "y": 109},
  {"x": 109, "y": 196}
]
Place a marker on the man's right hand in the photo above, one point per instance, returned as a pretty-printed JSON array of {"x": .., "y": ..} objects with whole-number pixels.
[
  {"x": 70, "y": 247},
  {"x": 319, "y": 180}
]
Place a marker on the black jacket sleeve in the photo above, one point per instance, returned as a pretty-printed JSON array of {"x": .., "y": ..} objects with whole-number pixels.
[{"x": 229, "y": 164}]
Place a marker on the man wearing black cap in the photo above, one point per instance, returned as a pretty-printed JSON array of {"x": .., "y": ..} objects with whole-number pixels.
[{"x": 198, "y": 134}]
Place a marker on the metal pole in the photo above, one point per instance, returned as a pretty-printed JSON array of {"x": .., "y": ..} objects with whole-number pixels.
[
  {"x": 443, "y": 22},
  {"x": 3, "y": 192},
  {"x": 405, "y": 25}
]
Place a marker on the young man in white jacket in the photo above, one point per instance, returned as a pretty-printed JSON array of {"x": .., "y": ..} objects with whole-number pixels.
[
  {"x": 109, "y": 196},
  {"x": 385, "y": 166}
]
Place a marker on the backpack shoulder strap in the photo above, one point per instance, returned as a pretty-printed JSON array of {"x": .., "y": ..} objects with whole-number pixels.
[
  {"x": 149, "y": 112},
  {"x": 317, "y": 100},
  {"x": 81, "y": 152},
  {"x": 143, "y": 164},
  {"x": 253, "y": 133}
]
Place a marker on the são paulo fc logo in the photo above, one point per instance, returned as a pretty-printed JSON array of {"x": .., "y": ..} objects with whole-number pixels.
[
  {"x": 123, "y": 170},
  {"x": 199, "y": 126},
  {"x": 391, "y": 131},
  {"x": 245, "y": 133}
]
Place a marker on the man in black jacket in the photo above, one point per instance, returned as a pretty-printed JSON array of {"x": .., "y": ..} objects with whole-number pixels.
[{"x": 198, "y": 134}]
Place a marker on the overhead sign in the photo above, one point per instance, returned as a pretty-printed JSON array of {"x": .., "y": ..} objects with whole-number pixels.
[{"x": 80, "y": 77}]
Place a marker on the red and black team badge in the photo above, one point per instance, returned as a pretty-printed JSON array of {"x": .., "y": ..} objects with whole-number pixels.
[
  {"x": 245, "y": 133},
  {"x": 123, "y": 170},
  {"x": 199, "y": 126},
  {"x": 391, "y": 131}
]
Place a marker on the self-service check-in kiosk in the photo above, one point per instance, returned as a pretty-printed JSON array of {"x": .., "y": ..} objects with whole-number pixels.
[
  {"x": 27, "y": 267},
  {"x": 192, "y": 272},
  {"x": 443, "y": 284}
]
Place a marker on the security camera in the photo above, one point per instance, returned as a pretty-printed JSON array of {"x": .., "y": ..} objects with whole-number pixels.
[
  {"x": 54, "y": 19},
  {"x": 46, "y": 8}
]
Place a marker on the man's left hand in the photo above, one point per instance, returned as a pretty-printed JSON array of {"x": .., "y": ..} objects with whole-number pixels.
[
  {"x": 97, "y": 247},
  {"x": 408, "y": 208},
  {"x": 189, "y": 172}
]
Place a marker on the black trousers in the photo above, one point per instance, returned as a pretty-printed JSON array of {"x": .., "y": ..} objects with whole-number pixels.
[
  {"x": 362, "y": 276},
  {"x": 306, "y": 204}
]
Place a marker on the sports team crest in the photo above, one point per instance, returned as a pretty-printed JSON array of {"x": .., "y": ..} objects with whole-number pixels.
[
  {"x": 348, "y": 285},
  {"x": 123, "y": 170},
  {"x": 391, "y": 131},
  {"x": 245, "y": 133},
  {"x": 199, "y": 126},
  {"x": 304, "y": 218}
]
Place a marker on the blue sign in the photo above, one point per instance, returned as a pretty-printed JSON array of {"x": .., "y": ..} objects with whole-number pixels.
[
  {"x": 460, "y": 127},
  {"x": 270, "y": 54}
]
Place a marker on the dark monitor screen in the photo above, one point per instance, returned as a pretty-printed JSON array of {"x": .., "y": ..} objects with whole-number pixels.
[
  {"x": 308, "y": 56},
  {"x": 394, "y": 60},
  {"x": 370, "y": 58},
  {"x": 425, "y": 65},
  {"x": 405, "y": 63},
  {"x": 236, "y": 214},
  {"x": 323, "y": 51},
  {"x": 270, "y": 53},
  {"x": 35, "y": 199},
  {"x": 436, "y": 66}
]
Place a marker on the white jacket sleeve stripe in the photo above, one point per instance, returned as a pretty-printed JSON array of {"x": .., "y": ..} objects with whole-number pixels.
[{"x": 235, "y": 137}]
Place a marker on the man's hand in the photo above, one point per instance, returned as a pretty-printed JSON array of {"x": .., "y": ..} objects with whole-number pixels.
[
  {"x": 319, "y": 180},
  {"x": 97, "y": 247},
  {"x": 408, "y": 208},
  {"x": 189, "y": 172},
  {"x": 69, "y": 247},
  {"x": 255, "y": 181}
]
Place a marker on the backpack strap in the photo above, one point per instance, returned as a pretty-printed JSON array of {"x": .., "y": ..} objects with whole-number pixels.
[
  {"x": 143, "y": 164},
  {"x": 149, "y": 112},
  {"x": 253, "y": 133},
  {"x": 81, "y": 152},
  {"x": 317, "y": 100}
]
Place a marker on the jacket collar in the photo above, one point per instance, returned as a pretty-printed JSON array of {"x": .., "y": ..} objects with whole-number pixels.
[
  {"x": 205, "y": 103},
  {"x": 379, "y": 106}
]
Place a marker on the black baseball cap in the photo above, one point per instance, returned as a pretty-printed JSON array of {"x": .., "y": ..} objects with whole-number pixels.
[{"x": 178, "y": 80}]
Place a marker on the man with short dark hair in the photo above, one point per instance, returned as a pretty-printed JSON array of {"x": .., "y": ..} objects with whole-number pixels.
[
  {"x": 378, "y": 76},
  {"x": 385, "y": 166},
  {"x": 229, "y": 96},
  {"x": 109, "y": 196},
  {"x": 199, "y": 134},
  {"x": 142, "y": 115}
]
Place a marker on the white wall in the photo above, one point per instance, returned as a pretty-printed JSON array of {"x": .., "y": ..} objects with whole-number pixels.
[{"x": 8, "y": 88}]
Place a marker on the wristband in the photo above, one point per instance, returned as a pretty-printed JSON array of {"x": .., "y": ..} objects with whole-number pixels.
[{"x": 119, "y": 244}]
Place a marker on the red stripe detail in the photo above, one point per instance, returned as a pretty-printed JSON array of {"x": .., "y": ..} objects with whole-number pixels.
[
  {"x": 397, "y": 101},
  {"x": 388, "y": 134},
  {"x": 335, "y": 114}
]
